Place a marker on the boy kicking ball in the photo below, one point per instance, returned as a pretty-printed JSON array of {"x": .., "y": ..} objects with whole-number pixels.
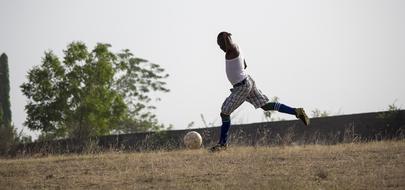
[{"x": 244, "y": 89}]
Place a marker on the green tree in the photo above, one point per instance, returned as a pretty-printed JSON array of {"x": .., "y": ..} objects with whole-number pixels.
[
  {"x": 7, "y": 131},
  {"x": 5, "y": 91},
  {"x": 91, "y": 93},
  {"x": 1, "y": 116}
]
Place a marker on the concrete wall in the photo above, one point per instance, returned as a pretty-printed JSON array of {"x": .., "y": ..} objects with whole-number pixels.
[{"x": 327, "y": 130}]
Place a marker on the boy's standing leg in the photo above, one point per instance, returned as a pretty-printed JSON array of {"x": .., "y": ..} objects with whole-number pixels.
[{"x": 237, "y": 97}]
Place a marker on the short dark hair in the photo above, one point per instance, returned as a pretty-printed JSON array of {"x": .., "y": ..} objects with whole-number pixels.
[{"x": 220, "y": 38}]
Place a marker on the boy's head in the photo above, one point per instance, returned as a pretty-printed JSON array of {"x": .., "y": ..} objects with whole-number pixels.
[{"x": 221, "y": 40}]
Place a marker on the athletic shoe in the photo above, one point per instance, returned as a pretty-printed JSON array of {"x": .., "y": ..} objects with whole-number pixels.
[
  {"x": 219, "y": 147},
  {"x": 300, "y": 114}
]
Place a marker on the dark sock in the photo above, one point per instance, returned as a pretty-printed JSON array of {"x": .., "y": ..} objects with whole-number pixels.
[
  {"x": 286, "y": 109},
  {"x": 226, "y": 124},
  {"x": 279, "y": 107},
  {"x": 269, "y": 106}
]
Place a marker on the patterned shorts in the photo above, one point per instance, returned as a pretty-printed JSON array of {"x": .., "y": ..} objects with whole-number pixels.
[{"x": 245, "y": 92}]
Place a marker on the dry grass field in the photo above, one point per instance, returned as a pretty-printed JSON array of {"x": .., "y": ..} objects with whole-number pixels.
[{"x": 375, "y": 165}]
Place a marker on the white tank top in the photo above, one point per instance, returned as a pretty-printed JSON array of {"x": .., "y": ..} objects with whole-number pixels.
[{"x": 234, "y": 69}]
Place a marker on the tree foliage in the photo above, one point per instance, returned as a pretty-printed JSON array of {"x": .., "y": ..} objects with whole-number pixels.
[
  {"x": 7, "y": 131},
  {"x": 91, "y": 93},
  {"x": 1, "y": 116},
  {"x": 5, "y": 92}
]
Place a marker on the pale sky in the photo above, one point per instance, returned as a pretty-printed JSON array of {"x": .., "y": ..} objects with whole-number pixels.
[{"x": 342, "y": 56}]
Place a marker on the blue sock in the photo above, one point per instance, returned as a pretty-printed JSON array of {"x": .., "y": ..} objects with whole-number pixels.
[
  {"x": 286, "y": 109},
  {"x": 226, "y": 124},
  {"x": 279, "y": 107}
]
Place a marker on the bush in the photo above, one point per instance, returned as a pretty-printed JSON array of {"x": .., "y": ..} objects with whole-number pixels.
[{"x": 7, "y": 139}]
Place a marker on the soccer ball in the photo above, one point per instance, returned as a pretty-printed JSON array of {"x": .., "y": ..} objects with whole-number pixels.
[{"x": 192, "y": 140}]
